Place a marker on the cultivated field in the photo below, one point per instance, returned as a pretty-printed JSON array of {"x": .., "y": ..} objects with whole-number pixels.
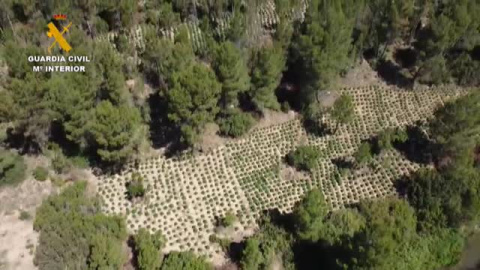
[{"x": 248, "y": 175}]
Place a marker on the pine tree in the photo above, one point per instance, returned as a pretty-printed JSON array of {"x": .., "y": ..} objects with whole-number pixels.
[
  {"x": 309, "y": 215},
  {"x": 269, "y": 64},
  {"x": 192, "y": 100},
  {"x": 114, "y": 132},
  {"x": 232, "y": 73},
  {"x": 325, "y": 43}
]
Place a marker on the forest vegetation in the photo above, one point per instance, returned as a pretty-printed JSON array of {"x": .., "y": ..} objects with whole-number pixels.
[{"x": 129, "y": 100}]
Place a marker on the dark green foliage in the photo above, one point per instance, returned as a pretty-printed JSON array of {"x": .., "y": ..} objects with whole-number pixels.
[
  {"x": 269, "y": 64},
  {"x": 275, "y": 243},
  {"x": 161, "y": 14},
  {"x": 466, "y": 69},
  {"x": 60, "y": 163},
  {"x": 135, "y": 188},
  {"x": 40, "y": 173},
  {"x": 445, "y": 199},
  {"x": 390, "y": 225},
  {"x": 324, "y": 45},
  {"x": 389, "y": 240},
  {"x": 387, "y": 137},
  {"x": 114, "y": 131},
  {"x": 309, "y": 215},
  {"x": 109, "y": 65},
  {"x": 453, "y": 29},
  {"x": 148, "y": 249},
  {"x": 232, "y": 73},
  {"x": 12, "y": 168},
  {"x": 6, "y": 107},
  {"x": 388, "y": 20},
  {"x": 71, "y": 97},
  {"x": 106, "y": 253},
  {"x": 31, "y": 118},
  {"x": 75, "y": 235},
  {"x": 17, "y": 59},
  {"x": 444, "y": 248},
  {"x": 236, "y": 123},
  {"x": 24, "y": 215},
  {"x": 456, "y": 128},
  {"x": 364, "y": 153},
  {"x": 192, "y": 100},
  {"x": 379, "y": 234},
  {"x": 252, "y": 257},
  {"x": 343, "y": 110},
  {"x": 303, "y": 158},
  {"x": 267, "y": 246},
  {"x": 422, "y": 194},
  {"x": 342, "y": 224},
  {"x": 448, "y": 195},
  {"x": 186, "y": 261},
  {"x": 285, "y": 29},
  {"x": 162, "y": 58}
]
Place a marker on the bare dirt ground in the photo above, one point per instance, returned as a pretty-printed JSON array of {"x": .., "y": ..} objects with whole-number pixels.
[
  {"x": 361, "y": 75},
  {"x": 271, "y": 118},
  {"x": 210, "y": 138},
  {"x": 17, "y": 237}
]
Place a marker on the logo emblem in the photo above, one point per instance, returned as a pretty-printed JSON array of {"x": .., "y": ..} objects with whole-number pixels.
[{"x": 55, "y": 33}]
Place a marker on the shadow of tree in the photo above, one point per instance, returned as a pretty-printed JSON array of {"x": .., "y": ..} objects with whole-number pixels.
[
  {"x": 315, "y": 128},
  {"x": 392, "y": 74},
  {"x": 163, "y": 133},
  {"x": 418, "y": 148},
  {"x": 342, "y": 163}
]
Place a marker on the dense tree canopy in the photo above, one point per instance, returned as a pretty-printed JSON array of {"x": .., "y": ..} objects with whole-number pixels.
[
  {"x": 192, "y": 100},
  {"x": 266, "y": 74},
  {"x": 114, "y": 131},
  {"x": 185, "y": 260},
  {"x": 74, "y": 234},
  {"x": 163, "y": 71},
  {"x": 232, "y": 73},
  {"x": 304, "y": 157},
  {"x": 147, "y": 248},
  {"x": 447, "y": 196},
  {"x": 325, "y": 43},
  {"x": 309, "y": 215}
]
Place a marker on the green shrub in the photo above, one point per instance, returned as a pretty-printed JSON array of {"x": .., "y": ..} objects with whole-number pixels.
[
  {"x": 88, "y": 239},
  {"x": 40, "y": 173},
  {"x": 303, "y": 158},
  {"x": 236, "y": 124},
  {"x": 228, "y": 219},
  {"x": 24, "y": 215},
  {"x": 252, "y": 257},
  {"x": 364, "y": 153},
  {"x": 185, "y": 261},
  {"x": 135, "y": 188},
  {"x": 386, "y": 138},
  {"x": 79, "y": 162},
  {"x": 12, "y": 168},
  {"x": 148, "y": 249},
  {"x": 60, "y": 163}
]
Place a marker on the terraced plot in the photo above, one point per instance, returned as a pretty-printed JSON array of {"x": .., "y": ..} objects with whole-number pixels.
[{"x": 185, "y": 195}]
